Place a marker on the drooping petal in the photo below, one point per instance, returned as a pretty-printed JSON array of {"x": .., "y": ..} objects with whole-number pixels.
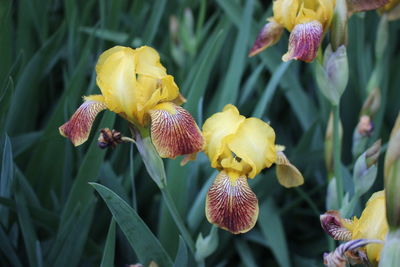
[
  {"x": 304, "y": 41},
  {"x": 117, "y": 80},
  {"x": 77, "y": 129},
  {"x": 335, "y": 226},
  {"x": 288, "y": 175},
  {"x": 365, "y": 5},
  {"x": 269, "y": 35},
  {"x": 231, "y": 204},
  {"x": 217, "y": 128},
  {"x": 254, "y": 144},
  {"x": 174, "y": 131}
]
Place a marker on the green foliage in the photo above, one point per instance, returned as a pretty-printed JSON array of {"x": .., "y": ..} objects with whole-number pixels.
[{"x": 51, "y": 216}]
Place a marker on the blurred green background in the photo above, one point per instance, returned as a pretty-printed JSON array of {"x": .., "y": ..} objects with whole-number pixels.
[{"x": 50, "y": 215}]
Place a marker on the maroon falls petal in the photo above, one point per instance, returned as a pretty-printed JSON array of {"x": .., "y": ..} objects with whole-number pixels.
[
  {"x": 174, "y": 131},
  {"x": 365, "y": 5},
  {"x": 304, "y": 41},
  {"x": 231, "y": 204},
  {"x": 269, "y": 35},
  {"x": 77, "y": 129},
  {"x": 332, "y": 223}
]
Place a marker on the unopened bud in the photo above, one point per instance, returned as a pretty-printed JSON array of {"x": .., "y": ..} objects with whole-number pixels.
[
  {"x": 365, "y": 169},
  {"x": 173, "y": 28},
  {"x": 392, "y": 177},
  {"x": 328, "y": 151},
  {"x": 339, "y": 25},
  {"x": 361, "y": 135},
  {"x": 372, "y": 103},
  {"x": 109, "y": 138},
  {"x": 333, "y": 75}
]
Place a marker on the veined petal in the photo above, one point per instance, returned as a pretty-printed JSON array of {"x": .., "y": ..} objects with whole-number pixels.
[
  {"x": 254, "y": 144},
  {"x": 269, "y": 35},
  {"x": 365, "y": 5},
  {"x": 231, "y": 204},
  {"x": 335, "y": 226},
  {"x": 217, "y": 128},
  {"x": 304, "y": 41},
  {"x": 77, "y": 129},
  {"x": 288, "y": 175},
  {"x": 174, "y": 131}
]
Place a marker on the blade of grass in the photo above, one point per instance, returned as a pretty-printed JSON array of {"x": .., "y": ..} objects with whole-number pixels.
[
  {"x": 142, "y": 240},
  {"x": 154, "y": 22},
  {"x": 245, "y": 253},
  {"x": 109, "y": 247},
  {"x": 8, "y": 250}
]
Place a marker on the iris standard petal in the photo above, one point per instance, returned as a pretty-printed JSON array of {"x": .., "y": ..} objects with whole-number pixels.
[
  {"x": 148, "y": 62},
  {"x": 288, "y": 175},
  {"x": 304, "y": 41},
  {"x": 269, "y": 35},
  {"x": 117, "y": 80},
  {"x": 217, "y": 128},
  {"x": 373, "y": 224},
  {"x": 174, "y": 131},
  {"x": 77, "y": 129},
  {"x": 231, "y": 204},
  {"x": 254, "y": 144}
]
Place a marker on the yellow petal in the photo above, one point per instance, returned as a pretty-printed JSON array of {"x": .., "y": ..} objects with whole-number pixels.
[
  {"x": 288, "y": 175},
  {"x": 285, "y": 12},
  {"x": 117, "y": 81},
  {"x": 217, "y": 128},
  {"x": 77, "y": 129},
  {"x": 254, "y": 144},
  {"x": 372, "y": 224},
  {"x": 174, "y": 131},
  {"x": 304, "y": 41},
  {"x": 231, "y": 204},
  {"x": 148, "y": 62}
]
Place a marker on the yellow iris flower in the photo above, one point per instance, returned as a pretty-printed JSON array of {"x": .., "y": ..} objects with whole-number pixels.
[
  {"x": 371, "y": 225},
  {"x": 136, "y": 86},
  {"x": 240, "y": 148},
  {"x": 307, "y": 20}
]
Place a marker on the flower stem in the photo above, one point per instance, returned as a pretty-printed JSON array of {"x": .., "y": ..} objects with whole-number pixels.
[
  {"x": 155, "y": 168},
  {"x": 336, "y": 154}
]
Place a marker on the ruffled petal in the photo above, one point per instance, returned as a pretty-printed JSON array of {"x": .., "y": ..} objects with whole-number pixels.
[
  {"x": 231, "y": 204},
  {"x": 254, "y": 144},
  {"x": 148, "y": 62},
  {"x": 77, "y": 129},
  {"x": 304, "y": 41},
  {"x": 217, "y": 128},
  {"x": 174, "y": 131},
  {"x": 288, "y": 175},
  {"x": 117, "y": 80},
  {"x": 269, "y": 35}
]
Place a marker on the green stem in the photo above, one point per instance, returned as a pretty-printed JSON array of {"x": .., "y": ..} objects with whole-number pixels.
[
  {"x": 177, "y": 218},
  {"x": 155, "y": 168},
  {"x": 336, "y": 154}
]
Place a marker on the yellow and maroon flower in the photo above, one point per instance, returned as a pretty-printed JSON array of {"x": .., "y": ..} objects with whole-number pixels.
[
  {"x": 135, "y": 85},
  {"x": 240, "y": 148},
  {"x": 372, "y": 225},
  {"x": 307, "y": 20}
]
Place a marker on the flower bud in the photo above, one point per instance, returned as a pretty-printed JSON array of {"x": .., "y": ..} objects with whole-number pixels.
[
  {"x": 372, "y": 103},
  {"x": 333, "y": 75},
  {"x": 392, "y": 177},
  {"x": 365, "y": 169},
  {"x": 328, "y": 151},
  {"x": 339, "y": 25}
]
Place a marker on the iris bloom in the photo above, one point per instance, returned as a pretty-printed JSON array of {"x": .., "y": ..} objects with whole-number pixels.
[
  {"x": 135, "y": 85},
  {"x": 240, "y": 148},
  {"x": 372, "y": 225},
  {"x": 306, "y": 20}
]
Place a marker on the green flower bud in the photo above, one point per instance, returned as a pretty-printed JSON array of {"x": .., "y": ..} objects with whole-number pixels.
[{"x": 390, "y": 255}]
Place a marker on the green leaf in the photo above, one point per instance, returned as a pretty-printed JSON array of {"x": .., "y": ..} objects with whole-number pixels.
[
  {"x": 109, "y": 247},
  {"x": 142, "y": 240},
  {"x": 182, "y": 258},
  {"x": 245, "y": 253},
  {"x": 230, "y": 89},
  {"x": 81, "y": 193},
  {"x": 7, "y": 248},
  {"x": 272, "y": 229},
  {"x": 153, "y": 23}
]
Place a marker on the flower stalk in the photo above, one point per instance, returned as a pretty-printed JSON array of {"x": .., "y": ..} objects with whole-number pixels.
[
  {"x": 336, "y": 155},
  {"x": 155, "y": 168}
]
